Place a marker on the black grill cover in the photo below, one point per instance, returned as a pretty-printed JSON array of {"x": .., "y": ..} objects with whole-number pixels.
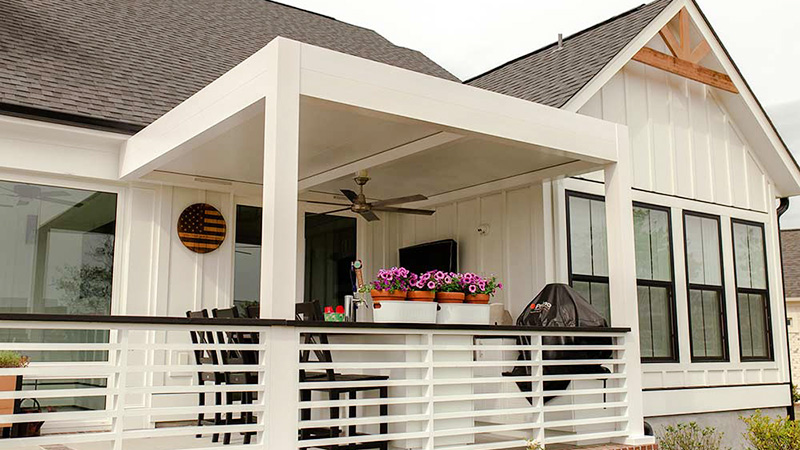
[{"x": 567, "y": 309}]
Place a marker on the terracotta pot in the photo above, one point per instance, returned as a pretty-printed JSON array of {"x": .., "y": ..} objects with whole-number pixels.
[
  {"x": 7, "y": 383},
  {"x": 421, "y": 296},
  {"x": 379, "y": 296},
  {"x": 478, "y": 299},
  {"x": 450, "y": 297}
]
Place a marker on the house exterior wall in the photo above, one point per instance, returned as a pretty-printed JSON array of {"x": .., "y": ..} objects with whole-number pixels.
[
  {"x": 793, "y": 312},
  {"x": 688, "y": 154}
]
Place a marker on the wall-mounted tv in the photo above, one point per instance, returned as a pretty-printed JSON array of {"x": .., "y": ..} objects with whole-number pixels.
[{"x": 439, "y": 255}]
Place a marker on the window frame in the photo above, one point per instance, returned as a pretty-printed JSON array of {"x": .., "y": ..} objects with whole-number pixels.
[
  {"x": 720, "y": 290},
  {"x": 571, "y": 277},
  {"x": 669, "y": 285},
  {"x": 755, "y": 291}
]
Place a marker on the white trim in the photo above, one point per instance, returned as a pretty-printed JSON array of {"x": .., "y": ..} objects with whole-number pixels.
[{"x": 692, "y": 401}]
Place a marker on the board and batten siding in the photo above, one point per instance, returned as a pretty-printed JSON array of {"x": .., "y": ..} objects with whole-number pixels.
[
  {"x": 682, "y": 140},
  {"x": 511, "y": 248}
]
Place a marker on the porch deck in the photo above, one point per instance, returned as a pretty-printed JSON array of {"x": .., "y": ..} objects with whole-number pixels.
[{"x": 448, "y": 386}]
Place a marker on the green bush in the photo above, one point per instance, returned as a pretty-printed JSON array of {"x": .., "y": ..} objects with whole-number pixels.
[
  {"x": 9, "y": 359},
  {"x": 765, "y": 433},
  {"x": 689, "y": 436},
  {"x": 795, "y": 395}
]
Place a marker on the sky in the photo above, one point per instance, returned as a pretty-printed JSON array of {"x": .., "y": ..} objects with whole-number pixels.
[{"x": 469, "y": 37}]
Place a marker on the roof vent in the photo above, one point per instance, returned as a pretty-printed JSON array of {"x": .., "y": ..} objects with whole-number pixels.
[{"x": 560, "y": 41}]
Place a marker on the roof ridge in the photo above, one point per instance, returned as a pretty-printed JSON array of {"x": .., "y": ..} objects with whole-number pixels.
[
  {"x": 306, "y": 11},
  {"x": 573, "y": 35}
]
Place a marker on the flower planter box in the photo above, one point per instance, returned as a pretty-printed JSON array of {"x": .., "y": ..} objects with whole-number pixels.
[
  {"x": 401, "y": 311},
  {"x": 463, "y": 314}
]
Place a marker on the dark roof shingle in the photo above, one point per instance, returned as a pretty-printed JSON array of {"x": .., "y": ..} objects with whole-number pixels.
[
  {"x": 130, "y": 61},
  {"x": 551, "y": 76}
]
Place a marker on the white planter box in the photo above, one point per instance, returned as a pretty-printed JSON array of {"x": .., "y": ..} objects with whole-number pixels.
[
  {"x": 405, "y": 312},
  {"x": 463, "y": 314}
]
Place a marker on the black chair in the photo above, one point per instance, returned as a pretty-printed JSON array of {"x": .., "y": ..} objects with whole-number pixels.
[
  {"x": 237, "y": 357},
  {"x": 311, "y": 311},
  {"x": 253, "y": 311},
  {"x": 206, "y": 357}
]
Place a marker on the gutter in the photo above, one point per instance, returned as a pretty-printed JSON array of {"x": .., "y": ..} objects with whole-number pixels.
[{"x": 783, "y": 206}]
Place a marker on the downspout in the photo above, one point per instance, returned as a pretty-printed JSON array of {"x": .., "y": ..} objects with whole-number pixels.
[{"x": 783, "y": 206}]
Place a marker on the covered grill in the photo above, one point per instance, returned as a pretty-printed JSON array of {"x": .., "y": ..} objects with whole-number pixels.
[{"x": 560, "y": 306}]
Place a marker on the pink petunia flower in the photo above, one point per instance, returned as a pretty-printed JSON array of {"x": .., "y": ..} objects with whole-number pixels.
[
  {"x": 431, "y": 284},
  {"x": 473, "y": 289}
]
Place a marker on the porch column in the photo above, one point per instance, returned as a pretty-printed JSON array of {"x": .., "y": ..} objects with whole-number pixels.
[
  {"x": 281, "y": 148},
  {"x": 622, "y": 278}
]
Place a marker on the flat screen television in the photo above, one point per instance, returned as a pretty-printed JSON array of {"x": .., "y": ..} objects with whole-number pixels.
[{"x": 439, "y": 255}]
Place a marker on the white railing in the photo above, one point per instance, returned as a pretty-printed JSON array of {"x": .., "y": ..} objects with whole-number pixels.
[
  {"x": 135, "y": 384},
  {"x": 455, "y": 389}
]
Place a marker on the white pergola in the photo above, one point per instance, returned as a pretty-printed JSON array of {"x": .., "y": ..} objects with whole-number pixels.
[{"x": 300, "y": 120}]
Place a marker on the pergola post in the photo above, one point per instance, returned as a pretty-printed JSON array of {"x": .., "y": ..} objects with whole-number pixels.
[
  {"x": 281, "y": 149},
  {"x": 279, "y": 242},
  {"x": 622, "y": 278}
]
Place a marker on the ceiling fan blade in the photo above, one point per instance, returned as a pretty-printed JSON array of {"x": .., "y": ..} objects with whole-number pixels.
[
  {"x": 419, "y": 212},
  {"x": 329, "y": 212},
  {"x": 399, "y": 200},
  {"x": 352, "y": 196},
  {"x": 315, "y": 202},
  {"x": 370, "y": 216},
  {"x": 55, "y": 194}
]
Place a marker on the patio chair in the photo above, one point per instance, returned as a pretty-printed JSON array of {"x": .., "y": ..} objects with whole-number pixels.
[
  {"x": 237, "y": 357},
  {"x": 311, "y": 311},
  {"x": 206, "y": 357}
]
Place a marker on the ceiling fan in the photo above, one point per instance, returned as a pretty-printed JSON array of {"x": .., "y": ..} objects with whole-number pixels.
[
  {"x": 26, "y": 193},
  {"x": 359, "y": 204}
]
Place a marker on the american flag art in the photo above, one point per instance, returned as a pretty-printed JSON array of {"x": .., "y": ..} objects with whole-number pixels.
[{"x": 201, "y": 228}]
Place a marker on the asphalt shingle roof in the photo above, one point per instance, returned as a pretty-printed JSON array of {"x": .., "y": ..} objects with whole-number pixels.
[
  {"x": 130, "y": 61},
  {"x": 552, "y": 77}
]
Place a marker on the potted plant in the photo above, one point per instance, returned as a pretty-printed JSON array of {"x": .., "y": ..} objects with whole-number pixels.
[
  {"x": 390, "y": 284},
  {"x": 477, "y": 289},
  {"x": 422, "y": 287},
  {"x": 10, "y": 360},
  {"x": 448, "y": 287}
]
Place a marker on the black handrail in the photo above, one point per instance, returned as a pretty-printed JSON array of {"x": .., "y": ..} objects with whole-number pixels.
[{"x": 166, "y": 320}]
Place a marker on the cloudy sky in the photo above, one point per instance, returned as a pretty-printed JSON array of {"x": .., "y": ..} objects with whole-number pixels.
[{"x": 468, "y": 37}]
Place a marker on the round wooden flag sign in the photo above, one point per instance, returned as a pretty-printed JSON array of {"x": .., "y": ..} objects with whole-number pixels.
[{"x": 201, "y": 228}]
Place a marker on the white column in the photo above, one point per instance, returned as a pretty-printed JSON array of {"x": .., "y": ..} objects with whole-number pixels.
[
  {"x": 622, "y": 278},
  {"x": 281, "y": 149},
  {"x": 279, "y": 253}
]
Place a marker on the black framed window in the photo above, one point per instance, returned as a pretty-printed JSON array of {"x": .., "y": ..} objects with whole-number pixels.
[
  {"x": 706, "y": 296},
  {"x": 654, "y": 280},
  {"x": 752, "y": 294},
  {"x": 588, "y": 249}
]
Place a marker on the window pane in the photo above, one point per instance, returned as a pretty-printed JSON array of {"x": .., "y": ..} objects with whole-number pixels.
[
  {"x": 655, "y": 322},
  {"x": 642, "y": 236},
  {"x": 758, "y": 267},
  {"x": 587, "y": 231},
  {"x": 653, "y": 261},
  {"x": 702, "y": 250},
  {"x": 597, "y": 295},
  {"x": 580, "y": 235},
  {"x": 599, "y": 239},
  {"x": 57, "y": 258},
  {"x": 741, "y": 251},
  {"x": 753, "y": 326},
  {"x": 706, "y": 324}
]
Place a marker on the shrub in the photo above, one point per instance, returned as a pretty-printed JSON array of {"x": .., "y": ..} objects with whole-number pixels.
[
  {"x": 689, "y": 436},
  {"x": 533, "y": 445},
  {"x": 795, "y": 395},
  {"x": 765, "y": 433},
  {"x": 9, "y": 359}
]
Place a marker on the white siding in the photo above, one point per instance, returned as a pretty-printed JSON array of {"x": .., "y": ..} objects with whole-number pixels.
[
  {"x": 683, "y": 142},
  {"x": 513, "y": 248}
]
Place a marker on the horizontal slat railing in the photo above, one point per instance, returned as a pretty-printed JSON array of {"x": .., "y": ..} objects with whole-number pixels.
[
  {"x": 447, "y": 388},
  {"x": 132, "y": 384},
  {"x": 120, "y": 384}
]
